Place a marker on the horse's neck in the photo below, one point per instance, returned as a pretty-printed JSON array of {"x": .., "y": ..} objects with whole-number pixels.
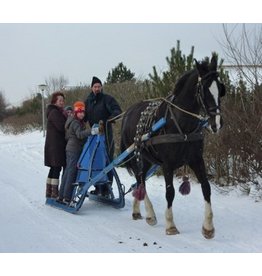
[
  {"x": 186, "y": 91},
  {"x": 187, "y": 100}
]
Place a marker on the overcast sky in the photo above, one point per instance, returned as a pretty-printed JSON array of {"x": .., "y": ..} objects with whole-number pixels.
[{"x": 31, "y": 53}]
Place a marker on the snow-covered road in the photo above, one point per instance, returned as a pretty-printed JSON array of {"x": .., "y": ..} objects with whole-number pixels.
[{"x": 28, "y": 225}]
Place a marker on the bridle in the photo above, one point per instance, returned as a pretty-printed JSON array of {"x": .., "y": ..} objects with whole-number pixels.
[{"x": 200, "y": 95}]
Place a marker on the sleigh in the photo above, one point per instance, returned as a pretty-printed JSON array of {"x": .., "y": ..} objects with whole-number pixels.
[{"x": 96, "y": 172}]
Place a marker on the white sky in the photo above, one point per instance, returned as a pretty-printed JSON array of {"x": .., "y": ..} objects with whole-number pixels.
[{"x": 30, "y": 53}]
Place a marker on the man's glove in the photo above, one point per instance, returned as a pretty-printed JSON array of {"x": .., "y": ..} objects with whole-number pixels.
[{"x": 95, "y": 130}]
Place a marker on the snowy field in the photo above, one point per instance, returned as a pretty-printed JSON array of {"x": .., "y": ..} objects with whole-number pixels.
[{"x": 29, "y": 226}]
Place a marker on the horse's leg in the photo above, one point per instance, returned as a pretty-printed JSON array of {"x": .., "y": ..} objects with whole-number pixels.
[
  {"x": 170, "y": 195},
  {"x": 136, "y": 209},
  {"x": 198, "y": 167},
  {"x": 150, "y": 213},
  {"x": 136, "y": 203}
]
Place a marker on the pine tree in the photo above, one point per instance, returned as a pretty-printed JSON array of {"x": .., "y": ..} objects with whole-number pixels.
[
  {"x": 178, "y": 63},
  {"x": 119, "y": 74}
]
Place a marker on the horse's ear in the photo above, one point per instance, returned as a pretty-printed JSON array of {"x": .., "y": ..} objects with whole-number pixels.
[
  {"x": 213, "y": 63},
  {"x": 200, "y": 68},
  {"x": 197, "y": 65}
]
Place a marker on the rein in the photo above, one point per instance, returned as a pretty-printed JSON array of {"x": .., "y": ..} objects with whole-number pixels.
[
  {"x": 198, "y": 116},
  {"x": 199, "y": 95}
]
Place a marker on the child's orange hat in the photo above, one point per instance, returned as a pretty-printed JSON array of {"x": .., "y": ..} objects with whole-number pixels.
[{"x": 79, "y": 106}]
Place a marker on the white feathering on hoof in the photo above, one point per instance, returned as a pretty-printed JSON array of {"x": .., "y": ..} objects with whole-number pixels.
[
  {"x": 208, "y": 229},
  {"x": 150, "y": 213},
  {"x": 170, "y": 225},
  {"x": 136, "y": 209},
  {"x": 208, "y": 234},
  {"x": 151, "y": 221},
  {"x": 172, "y": 231}
]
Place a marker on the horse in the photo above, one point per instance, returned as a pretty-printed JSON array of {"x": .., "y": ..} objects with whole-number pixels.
[{"x": 195, "y": 101}]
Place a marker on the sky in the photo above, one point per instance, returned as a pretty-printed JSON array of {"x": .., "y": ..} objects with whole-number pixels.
[
  {"x": 38, "y": 45},
  {"x": 30, "y": 53}
]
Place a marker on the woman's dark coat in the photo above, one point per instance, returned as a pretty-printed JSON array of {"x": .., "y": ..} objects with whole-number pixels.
[{"x": 55, "y": 142}]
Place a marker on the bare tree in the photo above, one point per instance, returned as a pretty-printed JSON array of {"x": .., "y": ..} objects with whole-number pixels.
[
  {"x": 244, "y": 51},
  {"x": 242, "y": 134},
  {"x": 56, "y": 83}
]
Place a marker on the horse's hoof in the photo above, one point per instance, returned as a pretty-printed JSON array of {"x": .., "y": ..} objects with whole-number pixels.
[
  {"x": 172, "y": 231},
  {"x": 136, "y": 216},
  {"x": 151, "y": 221},
  {"x": 208, "y": 234}
]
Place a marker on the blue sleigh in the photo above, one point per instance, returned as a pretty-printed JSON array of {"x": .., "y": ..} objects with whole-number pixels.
[{"x": 94, "y": 167}]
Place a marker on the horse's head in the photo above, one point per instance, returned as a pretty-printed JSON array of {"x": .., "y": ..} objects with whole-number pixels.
[{"x": 210, "y": 90}]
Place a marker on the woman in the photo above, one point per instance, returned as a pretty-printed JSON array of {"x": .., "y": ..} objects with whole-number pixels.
[{"x": 55, "y": 143}]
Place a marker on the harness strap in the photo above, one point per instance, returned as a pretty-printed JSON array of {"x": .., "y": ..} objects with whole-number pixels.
[
  {"x": 175, "y": 138},
  {"x": 200, "y": 96},
  {"x": 198, "y": 116},
  {"x": 174, "y": 119}
]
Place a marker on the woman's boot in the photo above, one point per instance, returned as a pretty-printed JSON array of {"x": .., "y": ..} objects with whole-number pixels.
[
  {"x": 48, "y": 190},
  {"x": 54, "y": 187}
]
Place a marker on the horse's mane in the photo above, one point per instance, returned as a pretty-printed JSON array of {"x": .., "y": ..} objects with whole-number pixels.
[
  {"x": 183, "y": 79},
  {"x": 181, "y": 82}
]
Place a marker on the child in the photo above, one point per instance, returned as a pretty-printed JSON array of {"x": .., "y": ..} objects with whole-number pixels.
[
  {"x": 69, "y": 110},
  {"x": 76, "y": 134}
]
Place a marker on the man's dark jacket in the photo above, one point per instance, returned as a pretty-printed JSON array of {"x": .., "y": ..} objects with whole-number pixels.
[{"x": 102, "y": 107}]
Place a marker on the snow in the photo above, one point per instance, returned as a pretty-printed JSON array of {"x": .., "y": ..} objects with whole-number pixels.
[{"x": 29, "y": 226}]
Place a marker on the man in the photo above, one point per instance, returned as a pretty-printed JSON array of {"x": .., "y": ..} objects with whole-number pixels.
[{"x": 101, "y": 106}]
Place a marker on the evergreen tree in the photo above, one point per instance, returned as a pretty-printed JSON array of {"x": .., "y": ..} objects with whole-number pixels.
[
  {"x": 120, "y": 74},
  {"x": 178, "y": 63}
]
